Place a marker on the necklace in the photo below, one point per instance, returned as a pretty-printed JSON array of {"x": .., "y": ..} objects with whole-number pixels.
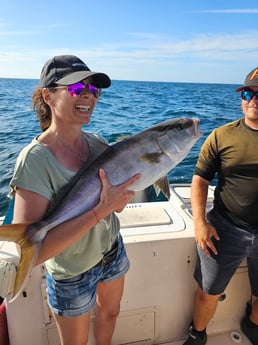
[{"x": 84, "y": 146}]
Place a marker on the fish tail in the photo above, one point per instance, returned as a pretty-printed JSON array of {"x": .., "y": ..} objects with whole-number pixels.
[{"x": 28, "y": 254}]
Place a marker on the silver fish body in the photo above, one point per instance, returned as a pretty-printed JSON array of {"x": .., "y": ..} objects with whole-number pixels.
[{"x": 152, "y": 153}]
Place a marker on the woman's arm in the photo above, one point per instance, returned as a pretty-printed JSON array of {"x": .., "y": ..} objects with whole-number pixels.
[{"x": 31, "y": 207}]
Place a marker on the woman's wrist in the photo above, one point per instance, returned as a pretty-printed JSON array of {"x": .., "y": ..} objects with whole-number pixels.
[{"x": 95, "y": 215}]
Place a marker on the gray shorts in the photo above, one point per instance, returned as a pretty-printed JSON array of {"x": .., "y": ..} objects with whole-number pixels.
[{"x": 214, "y": 273}]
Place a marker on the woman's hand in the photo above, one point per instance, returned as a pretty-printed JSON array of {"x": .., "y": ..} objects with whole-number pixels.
[{"x": 113, "y": 198}]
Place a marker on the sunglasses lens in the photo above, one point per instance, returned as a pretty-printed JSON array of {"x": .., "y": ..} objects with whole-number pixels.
[
  {"x": 247, "y": 95},
  {"x": 75, "y": 89},
  {"x": 94, "y": 90}
]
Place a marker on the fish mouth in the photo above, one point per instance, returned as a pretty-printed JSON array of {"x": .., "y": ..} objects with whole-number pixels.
[{"x": 196, "y": 132}]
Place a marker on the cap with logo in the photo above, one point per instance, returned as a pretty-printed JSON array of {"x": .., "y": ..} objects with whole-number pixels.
[
  {"x": 69, "y": 69},
  {"x": 250, "y": 80}
]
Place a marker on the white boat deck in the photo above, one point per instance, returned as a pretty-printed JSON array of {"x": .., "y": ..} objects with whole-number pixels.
[{"x": 157, "y": 303}]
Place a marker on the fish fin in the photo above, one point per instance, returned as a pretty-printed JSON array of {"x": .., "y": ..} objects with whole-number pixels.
[
  {"x": 123, "y": 137},
  {"x": 162, "y": 185},
  {"x": 29, "y": 253},
  {"x": 12, "y": 232},
  {"x": 153, "y": 157}
]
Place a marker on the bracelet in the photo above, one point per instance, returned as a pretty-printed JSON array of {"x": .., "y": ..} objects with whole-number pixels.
[{"x": 95, "y": 215}]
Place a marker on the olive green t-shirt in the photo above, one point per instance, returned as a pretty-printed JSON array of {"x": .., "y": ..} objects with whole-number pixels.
[
  {"x": 231, "y": 151},
  {"x": 37, "y": 170}
]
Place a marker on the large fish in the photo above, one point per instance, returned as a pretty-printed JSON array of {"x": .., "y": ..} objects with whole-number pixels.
[{"x": 152, "y": 153}]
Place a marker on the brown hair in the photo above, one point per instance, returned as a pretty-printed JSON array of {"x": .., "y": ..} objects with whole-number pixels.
[{"x": 42, "y": 109}]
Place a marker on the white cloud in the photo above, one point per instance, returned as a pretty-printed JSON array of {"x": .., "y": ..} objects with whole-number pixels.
[
  {"x": 138, "y": 59},
  {"x": 231, "y": 11}
]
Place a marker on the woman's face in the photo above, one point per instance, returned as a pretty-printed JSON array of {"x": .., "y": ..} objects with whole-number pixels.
[{"x": 69, "y": 106}]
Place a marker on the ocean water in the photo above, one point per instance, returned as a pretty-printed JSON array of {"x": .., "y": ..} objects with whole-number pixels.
[{"x": 126, "y": 108}]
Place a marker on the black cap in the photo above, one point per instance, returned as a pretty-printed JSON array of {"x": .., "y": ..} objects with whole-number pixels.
[
  {"x": 69, "y": 69},
  {"x": 250, "y": 80}
]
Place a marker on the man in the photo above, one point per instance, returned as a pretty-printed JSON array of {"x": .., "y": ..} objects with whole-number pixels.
[{"x": 229, "y": 232}]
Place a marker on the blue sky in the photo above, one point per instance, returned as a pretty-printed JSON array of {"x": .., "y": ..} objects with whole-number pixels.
[{"x": 153, "y": 40}]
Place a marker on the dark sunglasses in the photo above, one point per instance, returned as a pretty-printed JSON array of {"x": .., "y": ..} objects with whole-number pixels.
[
  {"x": 247, "y": 95},
  {"x": 77, "y": 88}
]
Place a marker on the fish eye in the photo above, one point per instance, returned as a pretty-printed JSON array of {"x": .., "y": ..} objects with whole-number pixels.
[{"x": 179, "y": 126}]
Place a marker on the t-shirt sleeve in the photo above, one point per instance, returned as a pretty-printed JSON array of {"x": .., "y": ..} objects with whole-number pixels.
[
  {"x": 30, "y": 172},
  {"x": 208, "y": 162}
]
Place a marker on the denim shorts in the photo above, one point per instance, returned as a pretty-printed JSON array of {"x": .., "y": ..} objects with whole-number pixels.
[
  {"x": 214, "y": 273},
  {"x": 77, "y": 295}
]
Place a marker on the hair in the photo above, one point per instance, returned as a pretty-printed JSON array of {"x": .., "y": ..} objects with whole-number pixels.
[{"x": 42, "y": 109}]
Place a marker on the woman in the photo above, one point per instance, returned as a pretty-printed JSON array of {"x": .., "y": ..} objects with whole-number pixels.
[{"x": 78, "y": 278}]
